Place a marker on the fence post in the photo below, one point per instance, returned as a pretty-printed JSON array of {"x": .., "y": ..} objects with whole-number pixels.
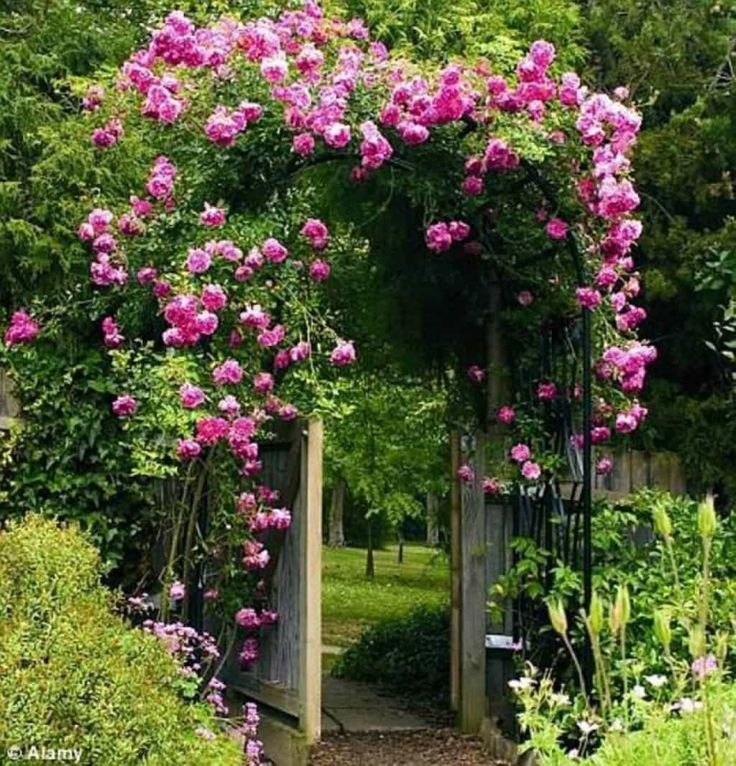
[
  {"x": 310, "y": 616},
  {"x": 473, "y": 591}
]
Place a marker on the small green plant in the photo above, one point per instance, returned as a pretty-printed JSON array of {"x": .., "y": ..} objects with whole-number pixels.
[
  {"x": 408, "y": 655},
  {"x": 682, "y": 716},
  {"x": 73, "y": 675}
]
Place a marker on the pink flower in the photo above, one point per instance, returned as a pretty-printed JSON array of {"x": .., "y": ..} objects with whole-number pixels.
[
  {"x": 228, "y": 373},
  {"x": 124, "y": 406},
  {"x": 177, "y": 591},
  {"x": 438, "y": 237},
  {"x": 212, "y": 217},
  {"x": 557, "y": 229},
  {"x": 22, "y": 329},
  {"x": 213, "y": 297},
  {"x": 531, "y": 470},
  {"x": 113, "y": 336},
  {"x": 303, "y": 144},
  {"x": 506, "y": 415},
  {"x": 198, "y": 261},
  {"x": 263, "y": 383},
  {"x": 525, "y": 298},
  {"x": 319, "y": 270},
  {"x": 229, "y": 405},
  {"x": 476, "y": 373},
  {"x": 188, "y": 449},
  {"x": 317, "y": 233},
  {"x": 211, "y": 429},
  {"x": 520, "y": 453},
  {"x": 249, "y": 652},
  {"x": 337, "y": 135},
  {"x": 604, "y": 466},
  {"x": 492, "y": 486},
  {"x": 704, "y": 666},
  {"x": 191, "y": 396},
  {"x": 247, "y": 618},
  {"x": 274, "y": 251},
  {"x": 272, "y": 337},
  {"x": 588, "y": 298},
  {"x": 546, "y": 391},
  {"x": 465, "y": 473},
  {"x": 343, "y": 354}
]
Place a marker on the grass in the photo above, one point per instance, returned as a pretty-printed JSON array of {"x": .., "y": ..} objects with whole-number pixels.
[{"x": 350, "y": 603}]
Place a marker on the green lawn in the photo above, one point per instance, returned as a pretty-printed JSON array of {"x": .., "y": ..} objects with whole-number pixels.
[{"x": 350, "y": 603}]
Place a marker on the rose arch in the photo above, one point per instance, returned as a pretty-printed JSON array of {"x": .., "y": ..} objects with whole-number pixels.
[{"x": 211, "y": 283}]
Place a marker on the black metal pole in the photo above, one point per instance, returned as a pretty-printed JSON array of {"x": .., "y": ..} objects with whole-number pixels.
[{"x": 587, "y": 490}]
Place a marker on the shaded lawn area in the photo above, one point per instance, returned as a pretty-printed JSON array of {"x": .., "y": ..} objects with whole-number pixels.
[{"x": 350, "y": 603}]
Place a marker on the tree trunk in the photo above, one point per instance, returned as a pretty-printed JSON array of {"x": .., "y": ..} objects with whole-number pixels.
[
  {"x": 401, "y": 547},
  {"x": 370, "y": 568},
  {"x": 433, "y": 512},
  {"x": 337, "y": 508}
]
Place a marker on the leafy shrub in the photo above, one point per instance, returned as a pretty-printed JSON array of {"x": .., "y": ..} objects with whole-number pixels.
[
  {"x": 408, "y": 655},
  {"x": 73, "y": 675}
]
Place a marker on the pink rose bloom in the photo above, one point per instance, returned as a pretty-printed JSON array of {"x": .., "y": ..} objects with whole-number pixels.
[
  {"x": 412, "y": 133},
  {"x": 124, "y": 406},
  {"x": 319, "y": 270},
  {"x": 303, "y": 144},
  {"x": 146, "y": 275},
  {"x": 207, "y": 323},
  {"x": 531, "y": 470},
  {"x": 465, "y": 473},
  {"x": 557, "y": 229},
  {"x": 198, "y": 261},
  {"x": 177, "y": 591},
  {"x": 492, "y": 486},
  {"x": 343, "y": 354},
  {"x": 249, "y": 652},
  {"x": 604, "y": 466},
  {"x": 476, "y": 373},
  {"x": 210, "y": 430},
  {"x": 520, "y": 453},
  {"x": 228, "y": 373},
  {"x": 274, "y": 251},
  {"x": 316, "y": 232},
  {"x": 213, "y": 297},
  {"x": 212, "y": 217},
  {"x": 438, "y": 237},
  {"x": 506, "y": 415},
  {"x": 288, "y": 412},
  {"x": 263, "y": 383},
  {"x": 247, "y": 618},
  {"x": 229, "y": 405},
  {"x": 300, "y": 351},
  {"x": 546, "y": 391},
  {"x": 337, "y": 135},
  {"x": 188, "y": 449},
  {"x": 190, "y": 396},
  {"x": 525, "y": 298},
  {"x": 626, "y": 423},
  {"x": 588, "y": 298},
  {"x": 472, "y": 186},
  {"x": 255, "y": 317},
  {"x": 272, "y": 337},
  {"x": 22, "y": 329}
]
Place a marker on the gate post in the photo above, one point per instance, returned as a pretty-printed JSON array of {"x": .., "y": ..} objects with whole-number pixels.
[
  {"x": 473, "y": 589},
  {"x": 310, "y": 615}
]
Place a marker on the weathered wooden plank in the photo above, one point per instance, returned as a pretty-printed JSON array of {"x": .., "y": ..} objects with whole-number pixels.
[
  {"x": 310, "y": 643},
  {"x": 639, "y": 468},
  {"x": 9, "y": 408},
  {"x": 473, "y": 594}
]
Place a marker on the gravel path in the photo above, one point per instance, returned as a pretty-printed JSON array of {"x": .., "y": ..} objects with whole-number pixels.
[{"x": 425, "y": 747}]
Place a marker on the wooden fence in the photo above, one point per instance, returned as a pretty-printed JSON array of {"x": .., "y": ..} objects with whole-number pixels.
[{"x": 288, "y": 674}]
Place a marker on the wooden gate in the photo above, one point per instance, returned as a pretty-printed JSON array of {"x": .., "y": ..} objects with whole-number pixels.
[{"x": 287, "y": 677}]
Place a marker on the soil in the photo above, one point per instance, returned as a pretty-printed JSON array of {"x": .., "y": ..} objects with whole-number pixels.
[{"x": 424, "y": 747}]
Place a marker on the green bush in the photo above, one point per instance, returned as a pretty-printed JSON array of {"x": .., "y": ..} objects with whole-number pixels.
[
  {"x": 408, "y": 655},
  {"x": 74, "y": 675}
]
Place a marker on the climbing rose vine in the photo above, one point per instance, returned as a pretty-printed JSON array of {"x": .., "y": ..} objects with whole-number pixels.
[{"x": 221, "y": 111}]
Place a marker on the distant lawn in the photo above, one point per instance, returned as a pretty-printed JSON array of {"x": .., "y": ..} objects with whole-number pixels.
[{"x": 350, "y": 603}]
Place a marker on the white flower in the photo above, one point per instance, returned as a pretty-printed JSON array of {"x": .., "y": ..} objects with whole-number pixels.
[
  {"x": 639, "y": 692},
  {"x": 522, "y": 684},
  {"x": 686, "y": 705},
  {"x": 617, "y": 725},
  {"x": 559, "y": 699},
  {"x": 656, "y": 681},
  {"x": 586, "y": 727},
  {"x": 574, "y": 754}
]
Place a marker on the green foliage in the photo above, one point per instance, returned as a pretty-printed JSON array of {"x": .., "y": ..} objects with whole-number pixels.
[
  {"x": 409, "y": 655},
  {"x": 351, "y": 604},
  {"x": 74, "y": 675}
]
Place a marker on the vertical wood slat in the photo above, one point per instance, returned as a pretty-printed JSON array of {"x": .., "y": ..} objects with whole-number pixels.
[
  {"x": 473, "y": 594},
  {"x": 8, "y": 405},
  {"x": 455, "y": 572},
  {"x": 310, "y": 616}
]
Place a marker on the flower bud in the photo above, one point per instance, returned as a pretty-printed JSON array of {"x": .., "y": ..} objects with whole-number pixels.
[
  {"x": 707, "y": 521},
  {"x": 662, "y": 629},
  {"x": 596, "y": 618},
  {"x": 662, "y": 521},
  {"x": 557, "y": 616},
  {"x": 696, "y": 642},
  {"x": 722, "y": 640},
  {"x": 623, "y": 604}
]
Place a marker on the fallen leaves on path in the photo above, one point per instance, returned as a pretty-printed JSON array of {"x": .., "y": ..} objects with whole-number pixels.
[{"x": 425, "y": 747}]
